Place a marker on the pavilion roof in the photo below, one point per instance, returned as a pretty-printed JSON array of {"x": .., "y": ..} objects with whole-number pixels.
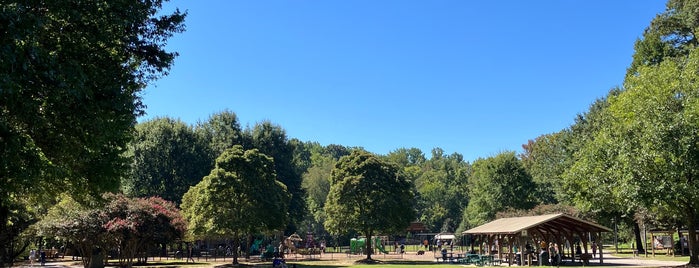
[{"x": 550, "y": 223}]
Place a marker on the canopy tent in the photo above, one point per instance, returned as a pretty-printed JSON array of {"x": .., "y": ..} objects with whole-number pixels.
[
  {"x": 444, "y": 237},
  {"x": 554, "y": 228}
]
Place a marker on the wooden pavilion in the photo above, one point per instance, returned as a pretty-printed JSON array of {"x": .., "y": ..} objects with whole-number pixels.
[{"x": 539, "y": 231}]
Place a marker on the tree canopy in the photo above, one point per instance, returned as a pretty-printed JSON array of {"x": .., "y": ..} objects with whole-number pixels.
[
  {"x": 241, "y": 195},
  {"x": 70, "y": 78},
  {"x": 368, "y": 195},
  {"x": 497, "y": 183},
  {"x": 167, "y": 158}
]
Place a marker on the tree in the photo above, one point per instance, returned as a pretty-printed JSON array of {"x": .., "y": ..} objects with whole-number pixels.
[
  {"x": 70, "y": 75},
  {"x": 497, "y": 183},
  {"x": 241, "y": 195},
  {"x": 442, "y": 188},
  {"x": 167, "y": 158},
  {"x": 221, "y": 131},
  {"x": 316, "y": 183},
  {"x": 404, "y": 157},
  {"x": 368, "y": 195},
  {"x": 81, "y": 226},
  {"x": 546, "y": 158},
  {"x": 317, "y": 163},
  {"x": 271, "y": 140},
  {"x": 130, "y": 225},
  {"x": 672, "y": 35},
  {"x": 135, "y": 225},
  {"x": 653, "y": 139}
]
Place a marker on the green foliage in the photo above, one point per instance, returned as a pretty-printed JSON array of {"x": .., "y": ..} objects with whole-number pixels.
[
  {"x": 497, "y": 183},
  {"x": 657, "y": 119},
  {"x": 167, "y": 158},
  {"x": 647, "y": 155},
  {"x": 316, "y": 183},
  {"x": 442, "y": 185},
  {"x": 80, "y": 225},
  {"x": 221, "y": 131},
  {"x": 271, "y": 140},
  {"x": 368, "y": 195},
  {"x": 241, "y": 195},
  {"x": 129, "y": 225},
  {"x": 406, "y": 157},
  {"x": 134, "y": 225},
  {"x": 70, "y": 78},
  {"x": 546, "y": 158},
  {"x": 672, "y": 35}
]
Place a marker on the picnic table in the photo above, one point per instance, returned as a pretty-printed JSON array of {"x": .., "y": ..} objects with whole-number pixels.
[
  {"x": 447, "y": 256},
  {"x": 479, "y": 260}
]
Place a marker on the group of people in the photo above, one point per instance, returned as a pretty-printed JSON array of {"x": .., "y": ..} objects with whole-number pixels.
[{"x": 34, "y": 254}]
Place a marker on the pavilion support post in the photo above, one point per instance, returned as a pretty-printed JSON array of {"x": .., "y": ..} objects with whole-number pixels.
[
  {"x": 521, "y": 251},
  {"x": 599, "y": 246},
  {"x": 583, "y": 240},
  {"x": 569, "y": 237},
  {"x": 510, "y": 241},
  {"x": 672, "y": 242},
  {"x": 499, "y": 241},
  {"x": 652, "y": 243}
]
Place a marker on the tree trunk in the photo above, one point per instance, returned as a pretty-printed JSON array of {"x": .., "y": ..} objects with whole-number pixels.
[
  {"x": 368, "y": 246},
  {"x": 692, "y": 238},
  {"x": 639, "y": 240},
  {"x": 236, "y": 242}
]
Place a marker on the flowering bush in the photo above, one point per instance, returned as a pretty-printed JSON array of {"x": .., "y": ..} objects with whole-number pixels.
[{"x": 127, "y": 225}]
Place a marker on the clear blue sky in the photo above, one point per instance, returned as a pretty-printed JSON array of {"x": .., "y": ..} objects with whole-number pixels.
[{"x": 471, "y": 77}]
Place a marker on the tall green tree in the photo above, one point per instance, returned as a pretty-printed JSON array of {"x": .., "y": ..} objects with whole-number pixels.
[
  {"x": 368, "y": 195},
  {"x": 271, "y": 140},
  {"x": 316, "y": 183},
  {"x": 497, "y": 183},
  {"x": 546, "y": 158},
  {"x": 652, "y": 141},
  {"x": 221, "y": 131},
  {"x": 240, "y": 196},
  {"x": 70, "y": 78},
  {"x": 671, "y": 35},
  {"x": 167, "y": 158},
  {"x": 442, "y": 185}
]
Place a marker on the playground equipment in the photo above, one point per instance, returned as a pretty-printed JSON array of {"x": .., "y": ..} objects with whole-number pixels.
[
  {"x": 358, "y": 245},
  {"x": 289, "y": 243},
  {"x": 255, "y": 248}
]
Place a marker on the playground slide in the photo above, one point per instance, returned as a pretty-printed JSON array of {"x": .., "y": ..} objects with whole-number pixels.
[
  {"x": 381, "y": 248},
  {"x": 255, "y": 247}
]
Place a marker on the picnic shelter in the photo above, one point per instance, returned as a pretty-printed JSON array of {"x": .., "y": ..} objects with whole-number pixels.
[{"x": 537, "y": 234}]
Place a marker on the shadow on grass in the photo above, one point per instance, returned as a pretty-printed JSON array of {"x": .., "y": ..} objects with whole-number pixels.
[
  {"x": 169, "y": 264},
  {"x": 324, "y": 264}
]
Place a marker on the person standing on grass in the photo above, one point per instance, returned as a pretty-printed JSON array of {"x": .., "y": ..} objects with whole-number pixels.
[
  {"x": 189, "y": 253},
  {"x": 32, "y": 256},
  {"x": 594, "y": 249}
]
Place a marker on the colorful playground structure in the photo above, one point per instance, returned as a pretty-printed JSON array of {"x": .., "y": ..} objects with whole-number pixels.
[{"x": 358, "y": 245}]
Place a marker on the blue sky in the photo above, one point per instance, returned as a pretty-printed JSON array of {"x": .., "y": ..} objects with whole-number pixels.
[{"x": 470, "y": 77}]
